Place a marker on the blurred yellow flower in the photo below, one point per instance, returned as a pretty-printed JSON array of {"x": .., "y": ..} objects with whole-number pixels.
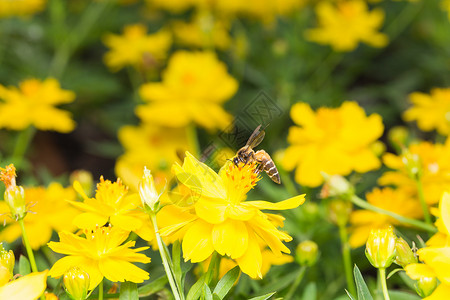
[
  {"x": 445, "y": 4},
  {"x": 21, "y": 7},
  {"x": 28, "y": 287},
  {"x": 430, "y": 111},
  {"x": 175, "y": 6},
  {"x": 204, "y": 31},
  {"x": 433, "y": 165},
  {"x": 100, "y": 254},
  {"x": 397, "y": 201},
  {"x": 336, "y": 141},
  {"x": 136, "y": 48},
  {"x": 112, "y": 205},
  {"x": 49, "y": 211},
  {"x": 347, "y": 23},
  {"x": 220, "y": 219},
  {"x": 152, "y": 147},
  {"x": 33, "y": 104},
  {"x": 436, "y": 258},
  {"x": 193, "y": 87}
]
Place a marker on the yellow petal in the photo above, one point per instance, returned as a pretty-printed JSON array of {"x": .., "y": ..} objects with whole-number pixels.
[
  {"x": 125, "y": 222},
  {"x": 197, "y": 243},
  {"x": 286, "y": 204},
  {"x": 440, "y": 293},
  {"x": 251, "y": 262},
  {"x": 444, "y": 207},
  {"x": 119, "y": 270},
  {"x": 27, "y": 287},
  {"x": 230, "y": 238},
  {"x": 416, "y": 271},
  {"x": 211, "y": 210},
  {"x": 89, "y": 220}
]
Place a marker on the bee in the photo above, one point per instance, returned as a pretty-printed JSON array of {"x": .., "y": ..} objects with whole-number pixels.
[{"x": 247, "y": 155}]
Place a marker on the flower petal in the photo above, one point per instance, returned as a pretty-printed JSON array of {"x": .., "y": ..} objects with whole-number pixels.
[
  {"x": 197, "y": 243},
  {"x": 230, "y": 238},
  {"x": 286, "y": 204},
  {"x": 251, "y": 262},
  {"x": 27, "y": 287},
  {"x": 416, "y": 271},
  {"x": 119, "y": 270}
]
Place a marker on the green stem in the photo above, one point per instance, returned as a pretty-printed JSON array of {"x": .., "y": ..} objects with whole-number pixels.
[
  {"x": 287, "y": 182},
  {"x": 347, "y": 259},
  {"x": 26, "y": 242},
  {"x": 213, "y": 266},
  {"x": 383, "y": 283},
  {"x": 424, "y": 205},
  {"x": 100, "y": 290},
  {"x": 192, "y": 137},
  {"x": 22, "y": 142},
  {"x": 178, "y": 295},
  {"x": 296, "y": 283},
  {"x": 415, "y": 223}
]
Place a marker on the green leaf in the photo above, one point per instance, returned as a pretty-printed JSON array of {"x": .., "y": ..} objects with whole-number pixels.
[
  {"x": 361, "y": 286},
  {"x": 310, "y": 291},
  {"x": 280, "y": 283},
  {"x": 263, "y": 297},
  {"x": 153, "y": 287},
  {"x": 207, "y": 292},
  {"x": 399, "y": 295},
  {"x": 349, "y": 295},
  {"x": 226, "y": 283},
  {"x": 128, "y": 291},
  {"x": 196, "y": 290},
  {"x": 176, "y": 260},
  {"x": 24, "y": 266}
]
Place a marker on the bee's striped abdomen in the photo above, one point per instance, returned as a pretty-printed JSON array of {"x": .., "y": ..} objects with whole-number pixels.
[{"x": 268, "y": 165}]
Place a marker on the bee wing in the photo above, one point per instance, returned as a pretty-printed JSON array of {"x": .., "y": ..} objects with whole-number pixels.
[{"x": 256, "y": 137}]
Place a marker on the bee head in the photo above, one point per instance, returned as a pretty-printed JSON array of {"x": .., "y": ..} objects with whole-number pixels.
[{"x": 236, "y": 160}]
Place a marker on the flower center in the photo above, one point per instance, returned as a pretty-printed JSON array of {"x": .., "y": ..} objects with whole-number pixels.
[{"x": 241, "y": 179}]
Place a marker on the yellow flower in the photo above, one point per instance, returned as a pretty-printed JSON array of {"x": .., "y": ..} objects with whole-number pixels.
[
  {"x": 49, "y": 211},
  {"x": 28, "y": 287},
  {"x": 336, "y": 141},
  {"x": 21, "y": 7},
  {"x": 112, "y": 204},
  {"x": 152, "y": 147},
  {"x": 394, "y": 200},
  {"x": 432, "y": 161},
  {"x": 221, "y": 220},
  {"x": 430, "y": 111},
  {"x": 380, "y": 247},
  {"x": 193, "y": 87},
  {"x": 33, "y": 104},
  {"x": 100, "y": 254},
  {"x": 204, "y": 31},
  {"x": 347, "y": 23},
  {"x": 136, "y": 48}
]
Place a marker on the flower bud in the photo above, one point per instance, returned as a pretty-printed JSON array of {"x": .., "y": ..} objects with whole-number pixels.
[
  {"x": 15, "y": 198},
  {"x": 147, "y": 191},
  {"x": 380, "y": 247},
  {"x": 425, "y": 286},
  {"x": 336, "y": 185},
  {"x": 412, "y": 163},
  {"x": 76, "y": 282},
  {"x": 339, "y": 211},
  {"x": 398, "y": 136},
  {"x": 307, "y": 253},
  {"x": 85, "y": 179},
  {"x": 405, "y": 255},
  {"x": 7, "y": 260}
]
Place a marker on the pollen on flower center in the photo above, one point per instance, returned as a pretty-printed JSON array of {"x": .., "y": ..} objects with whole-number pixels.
[{"x": 241, "y": 179}]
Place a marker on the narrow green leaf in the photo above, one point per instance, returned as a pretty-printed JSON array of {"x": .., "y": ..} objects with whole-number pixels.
[
  {"x": 176, "y": 260},
  {"x": 24, "y": 266},
  {"x": 361, "y": 286},
  {"x": 207, "y": 292},
  {"x": 349, "y": 295},
  {"x": 263, "y": 297},
  {"x": 310, "y": 291},
  {"x": 226, "y": 283},
  {"x": 399, "y": 295},
  {"x": 196, "y": 290},
  {"x": 280, "y": 283},
  {"x": 128, "y": 291},
  {"x": 153, "y": 287}
]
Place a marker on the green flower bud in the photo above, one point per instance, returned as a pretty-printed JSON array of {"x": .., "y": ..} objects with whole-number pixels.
[
  {"x": 147, "y": 191},
  {"x": 307, "y": 253},
  {"x": 405, "y": 255},
  {"x": 339, "y": 211},
  {"x": 380, "y": 247},
  {"x": 425, "y": 286},
  {"x": 15, "y": 198},
  {"x": 76, "y": 282}
]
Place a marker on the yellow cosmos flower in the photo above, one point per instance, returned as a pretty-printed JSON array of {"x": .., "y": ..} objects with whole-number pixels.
[
  {"x": 28, "y": 287},
  {"x": 336, "y": 141},
  {"x": 193, "y": 87},
  {"x": 136, "y": 48},
  {"x": 220, "y": 219},
  {"x": 112, "y": 204},
  {"x": 430, "y": 111},
  {"x": 347, "y": 23},
  {"x": 152, "y": 147},
  {"x": 49, "y": 211},
  {"x": 33, "y": 104},
  {"x": 433, "y": 163},
  {"x": 394, "y": 200},
  {"x": 10, "y": 8},
  {"x": 100, "y": 254},
  {"x": 204, "y": 31}
]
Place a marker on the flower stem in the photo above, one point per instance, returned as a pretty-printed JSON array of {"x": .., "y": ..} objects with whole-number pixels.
[
  {"x": 26, "y": 242},
  {"x": 23, "y": 140},
  {"x": 177, "y": 293},
  {"x": 347, "y": 259},
  {"x": 415, "y": 223},
  {"x": 100, "y": 290},
  {"x": 424, "y": 205},
  {"x": 296, "y": 283},
  {"x": 383, "y": 283}
]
